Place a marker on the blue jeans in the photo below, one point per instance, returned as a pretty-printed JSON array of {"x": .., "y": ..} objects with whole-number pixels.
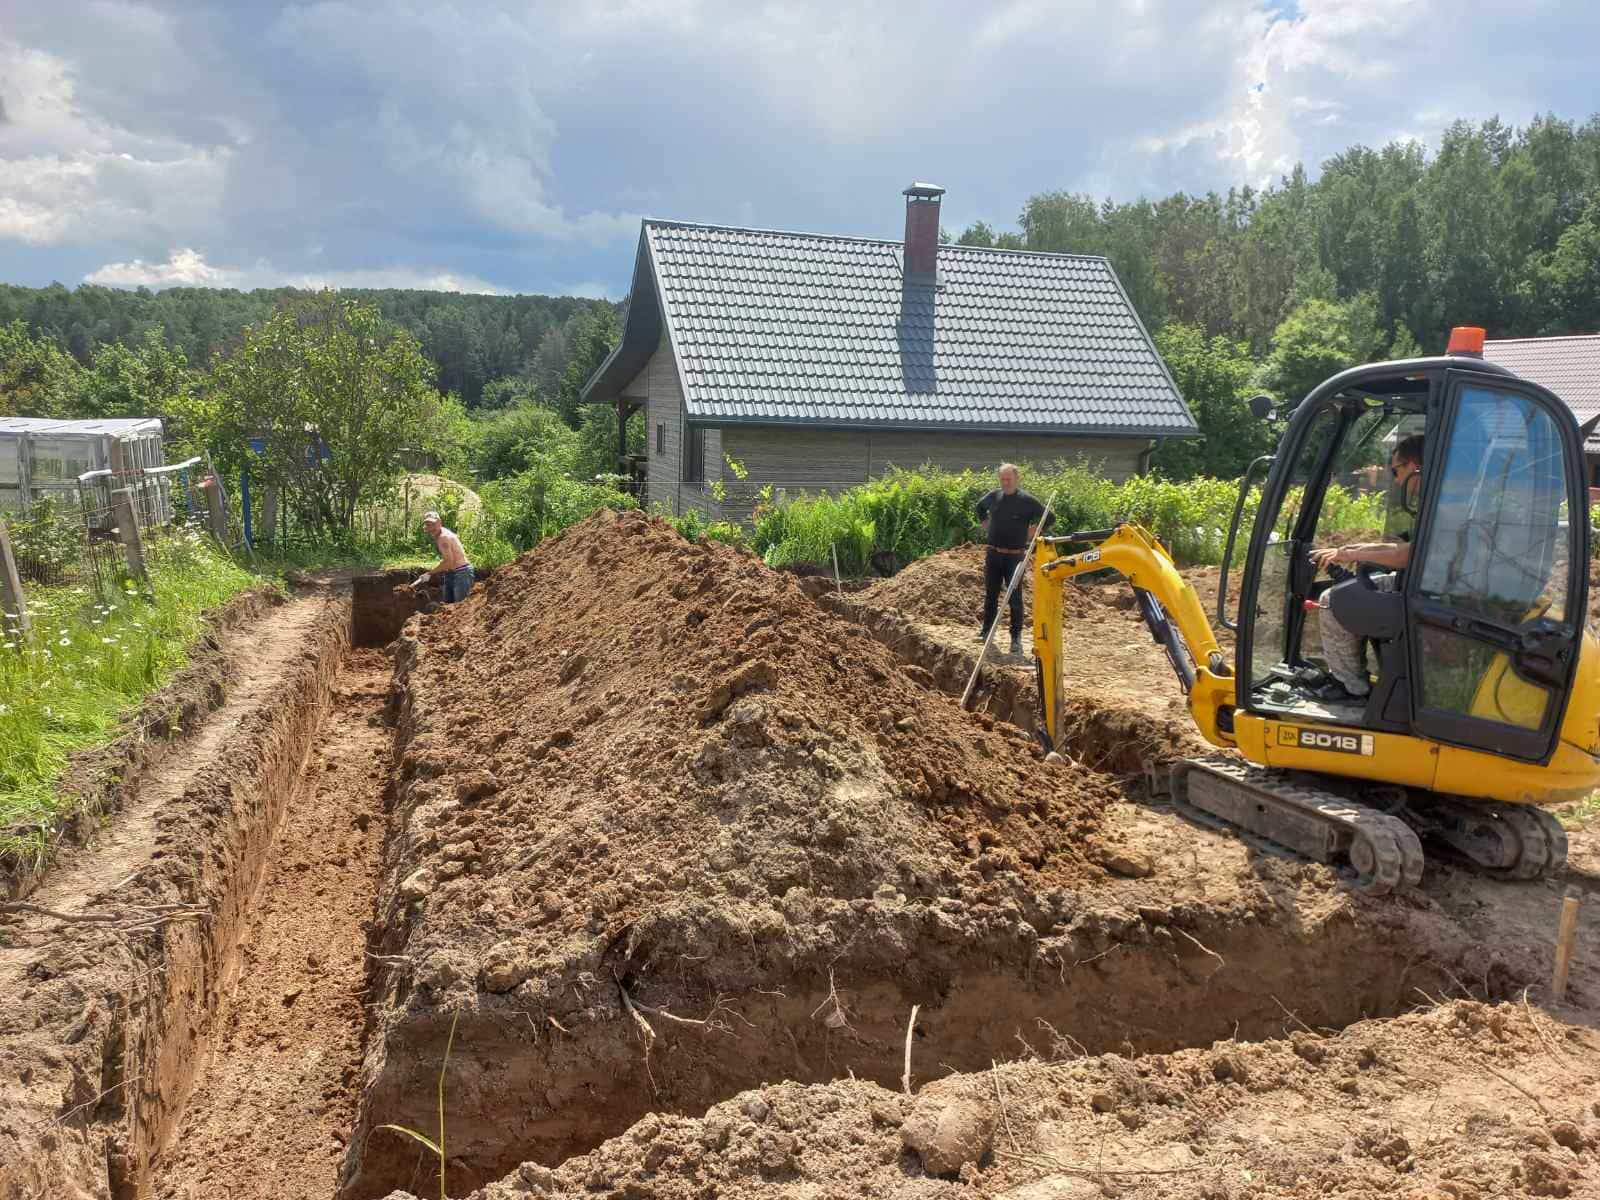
[{"x": 457, "y": 584}]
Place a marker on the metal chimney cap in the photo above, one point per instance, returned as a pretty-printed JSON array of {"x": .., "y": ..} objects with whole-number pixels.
[{"x": 924, "y": 191}]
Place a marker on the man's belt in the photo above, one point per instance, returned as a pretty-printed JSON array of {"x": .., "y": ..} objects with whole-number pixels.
[{"x": 1006, "y": 550}]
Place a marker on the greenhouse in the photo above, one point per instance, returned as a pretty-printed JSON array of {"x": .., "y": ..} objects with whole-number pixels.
[{"x": 41, "y": 459}]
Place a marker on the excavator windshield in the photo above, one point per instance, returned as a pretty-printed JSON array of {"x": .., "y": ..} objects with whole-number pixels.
[{"x": 1337, "y": 491}]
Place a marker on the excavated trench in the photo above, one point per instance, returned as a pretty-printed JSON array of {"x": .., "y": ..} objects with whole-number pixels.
[
  {"x": 521, "y": 1088},
  {"x": 265, "y": 1056},
  {"x": 696, "y": 1007}
]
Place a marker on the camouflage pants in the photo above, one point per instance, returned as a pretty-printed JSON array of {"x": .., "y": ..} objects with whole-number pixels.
[{"x": 1343, "y": 650}]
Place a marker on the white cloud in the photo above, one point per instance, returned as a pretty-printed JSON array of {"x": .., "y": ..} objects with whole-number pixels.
[
  {"x": 67, "y": 175},
  {"x": 186, "y": 267}
]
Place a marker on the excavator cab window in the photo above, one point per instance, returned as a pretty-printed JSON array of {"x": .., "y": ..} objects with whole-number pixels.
[
  {"x": 1335, "y": 491},
  {"x": 1494, "y": 601}
]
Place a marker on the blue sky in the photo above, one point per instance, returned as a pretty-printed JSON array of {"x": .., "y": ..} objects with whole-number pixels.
[{"x": 494, "y": 146}]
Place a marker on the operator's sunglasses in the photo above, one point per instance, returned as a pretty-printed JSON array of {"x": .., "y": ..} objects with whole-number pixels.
[{"x": 1395, "y": 470}]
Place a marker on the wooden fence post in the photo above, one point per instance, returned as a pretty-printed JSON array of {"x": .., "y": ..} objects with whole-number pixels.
[
  {"x": 217, "y": 514},
  {"x": 11, "y": 598},
  {"x": 127, "y": 518},
  {"x": 269, "y": 515}
]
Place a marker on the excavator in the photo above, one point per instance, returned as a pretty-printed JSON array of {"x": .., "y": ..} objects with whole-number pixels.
[{"x": 1485, "y": 698}]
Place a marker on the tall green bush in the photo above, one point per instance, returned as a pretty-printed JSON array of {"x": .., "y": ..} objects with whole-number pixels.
[{"x": 907, "y": 515}]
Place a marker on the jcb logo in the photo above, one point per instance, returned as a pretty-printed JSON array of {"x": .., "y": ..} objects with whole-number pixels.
[{"x": 1325, "y": 739}]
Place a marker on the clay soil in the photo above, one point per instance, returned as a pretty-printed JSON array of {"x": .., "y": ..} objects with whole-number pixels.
[
  {"x": 667, "y": 828},
  {"x": 1464, "y": 1101}
]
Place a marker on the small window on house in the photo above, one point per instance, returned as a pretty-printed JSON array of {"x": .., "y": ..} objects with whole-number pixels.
[
  {"x": 694, "y": 456},
  {"x": 661, "y": 438}
]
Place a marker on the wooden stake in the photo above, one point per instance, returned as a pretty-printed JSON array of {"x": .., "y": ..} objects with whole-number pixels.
[
  {"x": 911, "y": 1025},
  {"x": 833, "y": 549},
  {"x": 127, "y": 518},
  {"x": 11, "y": 598},
  {"x": 1567, "y": 932}
]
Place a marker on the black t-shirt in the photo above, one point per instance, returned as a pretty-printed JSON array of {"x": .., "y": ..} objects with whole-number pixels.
[{"x": 1009, "y": 517}]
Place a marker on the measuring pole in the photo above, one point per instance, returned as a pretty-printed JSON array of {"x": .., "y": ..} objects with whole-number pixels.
[{"x": 1005, "y": 600}]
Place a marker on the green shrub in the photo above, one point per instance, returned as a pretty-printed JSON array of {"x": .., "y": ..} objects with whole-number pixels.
[
  {"x": 907, "y": 515},
  {"x": 693, "y": 525}
]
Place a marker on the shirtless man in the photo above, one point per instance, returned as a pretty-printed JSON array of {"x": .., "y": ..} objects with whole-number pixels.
[{"x": 454, "y": 571}]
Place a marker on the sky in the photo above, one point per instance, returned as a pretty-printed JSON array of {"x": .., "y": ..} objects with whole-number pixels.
[{"x": 495, "y": 146}]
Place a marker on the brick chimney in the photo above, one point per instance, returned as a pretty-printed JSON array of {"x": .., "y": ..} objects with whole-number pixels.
[{"x": 922, "y": 233}]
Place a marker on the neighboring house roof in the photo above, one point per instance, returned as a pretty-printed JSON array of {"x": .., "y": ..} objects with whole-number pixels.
[
  {"x": 1568, "y": 366},
  {"x": 53, "y": 427},
  {"x": 794, "y": 328}
]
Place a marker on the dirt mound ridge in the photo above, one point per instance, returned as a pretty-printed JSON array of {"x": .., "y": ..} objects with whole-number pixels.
[
  {"x": 947, "y": 589},
  {"x": 1441, "y": 1103},
  {"x": 633, "y": 761},
  {"x": 692, "y": 710}
]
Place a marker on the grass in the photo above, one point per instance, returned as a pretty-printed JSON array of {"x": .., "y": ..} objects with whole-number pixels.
[
  {"x": 1582, "y": 815},
  {"x": 88, "y": 664}
]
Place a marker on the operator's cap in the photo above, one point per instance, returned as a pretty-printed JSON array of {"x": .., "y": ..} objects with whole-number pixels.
[{"x": 430, "y": 516}]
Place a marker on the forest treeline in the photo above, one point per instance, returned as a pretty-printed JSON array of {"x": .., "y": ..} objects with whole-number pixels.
[
  {"x": 1499, "y": 228},
  {"x": 473, "y": 340}
]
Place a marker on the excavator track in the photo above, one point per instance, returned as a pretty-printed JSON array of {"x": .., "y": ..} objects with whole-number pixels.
[
  {"x": 1383, "y": 850},
  {"x": 1513, "y": 841}
]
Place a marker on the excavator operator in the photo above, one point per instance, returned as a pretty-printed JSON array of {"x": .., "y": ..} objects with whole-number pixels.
[{"x": 1343, "y": 650}]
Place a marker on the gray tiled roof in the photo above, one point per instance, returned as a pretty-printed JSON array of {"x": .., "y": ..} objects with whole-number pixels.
[
  {"x": 803, "y": 328},
  {"x": 1568, "y": 366}
]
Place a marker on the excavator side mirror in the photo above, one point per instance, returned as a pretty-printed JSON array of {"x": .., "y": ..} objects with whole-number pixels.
[{"x": 1261, "y": 407}]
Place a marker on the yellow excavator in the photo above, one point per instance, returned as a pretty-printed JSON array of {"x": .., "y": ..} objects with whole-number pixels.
[{"x": 1485, "y": 697}]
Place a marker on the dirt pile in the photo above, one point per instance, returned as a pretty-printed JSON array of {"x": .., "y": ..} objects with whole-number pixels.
[
  {"x": 947, "y": 589},
  {"x": 636, "y": 758},
  {"x": 665, "y": 828},
  {"x": 1464, "y": 1101}
]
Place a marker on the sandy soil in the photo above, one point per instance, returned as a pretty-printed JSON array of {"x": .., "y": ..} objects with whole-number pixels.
[
  {"x": 277, "y": 1099},
  {"x": 668, "y": 850}
]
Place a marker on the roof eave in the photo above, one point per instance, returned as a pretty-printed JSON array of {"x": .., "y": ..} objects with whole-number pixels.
[
  {"x": 640, "y": 334},
  {"x": 1095, "y": 431}
]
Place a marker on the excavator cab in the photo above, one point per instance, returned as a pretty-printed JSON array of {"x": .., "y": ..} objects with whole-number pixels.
[
  {"x": 1485, "y": 685},
  {"x": 1476, "y": 641}
]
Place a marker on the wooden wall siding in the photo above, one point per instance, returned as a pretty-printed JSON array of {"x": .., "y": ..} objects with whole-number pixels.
[
  {"x": 1117, "y": 458},
  {"x": 796, "y": 459},
  {"x": 665, "y": 407}
]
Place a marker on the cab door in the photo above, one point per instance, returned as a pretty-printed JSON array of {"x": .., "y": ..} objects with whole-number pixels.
[{"x": 1497, "y": 586}]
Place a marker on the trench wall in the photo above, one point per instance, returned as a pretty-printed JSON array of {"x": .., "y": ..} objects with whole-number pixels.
[{"x": 147, "y": 1023}]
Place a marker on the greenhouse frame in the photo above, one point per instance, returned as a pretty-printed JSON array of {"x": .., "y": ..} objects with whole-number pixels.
[{"x": 42, "y": 458}]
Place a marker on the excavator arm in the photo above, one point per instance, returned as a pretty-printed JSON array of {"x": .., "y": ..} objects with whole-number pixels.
[{"x": 1167, "y": 603}]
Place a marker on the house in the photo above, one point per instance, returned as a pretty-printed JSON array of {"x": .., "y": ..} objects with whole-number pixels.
[
  {"x": 1570, "y": 367},
  {"x": 810, "y": 362}
]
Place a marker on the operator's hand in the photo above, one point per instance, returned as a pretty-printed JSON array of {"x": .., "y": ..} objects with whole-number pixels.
[{"x": 1326, "y": 557}]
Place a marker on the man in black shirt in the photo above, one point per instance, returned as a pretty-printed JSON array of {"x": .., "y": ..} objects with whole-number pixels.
[{"x": 1010, "y": 517}]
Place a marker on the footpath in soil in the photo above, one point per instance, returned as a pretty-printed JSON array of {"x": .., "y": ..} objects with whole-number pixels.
[{"x": 277, "y": 1100}]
